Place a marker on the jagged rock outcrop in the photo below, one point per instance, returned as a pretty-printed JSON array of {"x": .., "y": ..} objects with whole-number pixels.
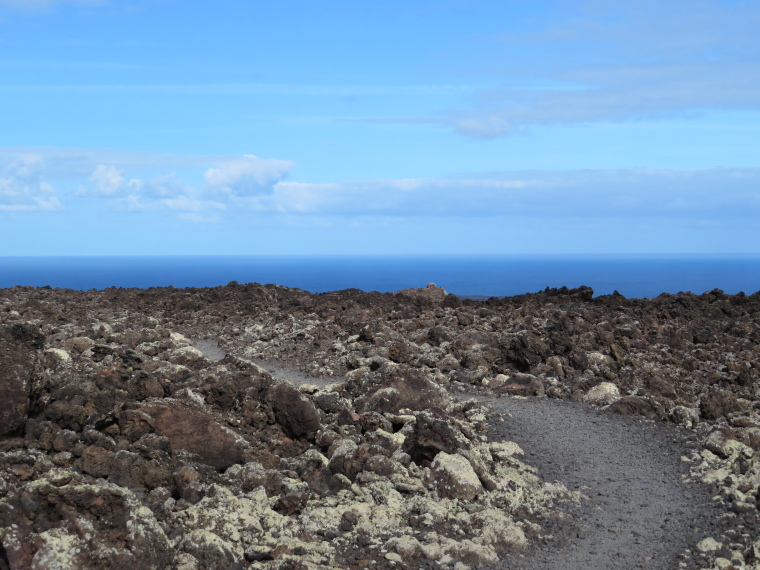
[{"x": 19, "y": 344}]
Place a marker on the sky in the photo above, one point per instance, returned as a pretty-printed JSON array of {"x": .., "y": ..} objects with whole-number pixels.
[{"x": 181, "y": 127}]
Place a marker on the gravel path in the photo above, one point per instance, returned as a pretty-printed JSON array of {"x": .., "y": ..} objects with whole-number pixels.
[{"x": 640, "y": 513}]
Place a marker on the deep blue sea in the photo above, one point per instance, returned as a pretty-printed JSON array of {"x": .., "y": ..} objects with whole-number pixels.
[{"x": 473, "y": 275}]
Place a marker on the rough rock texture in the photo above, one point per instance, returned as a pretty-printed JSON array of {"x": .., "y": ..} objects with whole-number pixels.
[
  {"x": 293, "y": 411},
  {"x": 602, "y": 394},
  {"x": 157, "y": 404},
  {"x": 189, "y": 428},
  {"x": 454, "y": 477},
  {"x": 18, "y": 344}
]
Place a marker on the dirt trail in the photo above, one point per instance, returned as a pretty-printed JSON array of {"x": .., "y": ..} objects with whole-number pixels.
[{"x": 640, "y": 513}]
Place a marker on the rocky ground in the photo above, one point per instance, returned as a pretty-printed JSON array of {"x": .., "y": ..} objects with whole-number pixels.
[{"x": 160, "y": 428}]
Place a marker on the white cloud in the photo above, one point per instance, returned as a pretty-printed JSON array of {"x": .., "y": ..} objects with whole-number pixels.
[
  {"x": 108, "y": 175},
  {"x": 625, "y": 194},
  {"x": 247, "y": 176},
  {"x": 224, "y": 189},
  {"x": 23, "y": 186},
  {"x": 107, "y": 179}
]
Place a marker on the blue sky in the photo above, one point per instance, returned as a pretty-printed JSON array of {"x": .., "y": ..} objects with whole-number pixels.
[{"x": 449, "y": 126}]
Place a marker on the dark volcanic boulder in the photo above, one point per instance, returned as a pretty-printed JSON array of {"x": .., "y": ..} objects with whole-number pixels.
[
  {"x": 18, "y": 346},
  {"x": 434, "y": 432},
  {"x": 293, "y": 411},
  {"x": 716, "y": 404},
  {"x": 404, "y": 388},
  {"x": 636, "y": 406},
  {"x": 194, "y": 430}
]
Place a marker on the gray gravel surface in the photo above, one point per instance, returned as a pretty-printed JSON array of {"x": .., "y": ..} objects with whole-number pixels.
[
  {"x": 640, "y": 513},
  {"x": 211, "y": 350},
  {"x": 297, "y": 377}
]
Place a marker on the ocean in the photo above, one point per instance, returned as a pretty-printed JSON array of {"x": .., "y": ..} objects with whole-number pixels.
[{"x": 465, "y": 275}]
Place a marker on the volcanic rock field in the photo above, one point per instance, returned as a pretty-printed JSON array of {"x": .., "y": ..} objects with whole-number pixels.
[{"x": 256, "y": 426}]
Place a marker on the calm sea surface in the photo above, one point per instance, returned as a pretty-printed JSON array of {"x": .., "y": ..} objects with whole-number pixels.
[{"x": 632, "y": 276}]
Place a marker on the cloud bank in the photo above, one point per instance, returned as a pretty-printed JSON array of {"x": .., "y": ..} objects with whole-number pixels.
[
  {"x": 699, "y": 194},
  {"x": 219, "y": 188}
]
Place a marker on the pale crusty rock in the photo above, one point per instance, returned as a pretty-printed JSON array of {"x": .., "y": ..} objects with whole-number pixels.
[
  {"x": 55, "y": 357},
  {"x": 222, "y": 527},
  {"x": 173, "y": 373},
  {"x": 497, "y": 381},
  {"x": 454, "y": 477},
  {"x": 210, "y": 550},
  {"x": 499, "y": 529},
  {"x": 179, "y": 340},
  {"x": 186, "y": 561},
  {"x": 389, "y": 441},
  {"x": 598, "y": 359},
  {"x": 186, "y": 355},
  {"x": 446, "y": 551},
  {"x": 719, "y": 444},
  {"x": 503, "y": 450},
  {"x": 406, "y": 546},
  {"x": 684, "y": 416},
  {"x": 342, "y": 448},
  {"x": 59, "y": 550},
  {"x": 708, "y": 544},
  {"x": 602, "y": 394},
  {"x": 230, "y": 518},
  {"x": 480, "y": 458}
]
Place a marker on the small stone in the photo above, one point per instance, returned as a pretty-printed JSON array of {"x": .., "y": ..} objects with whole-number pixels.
[
  {"x": 708, "y": 544},
  {"x": 602, "y": 394}
]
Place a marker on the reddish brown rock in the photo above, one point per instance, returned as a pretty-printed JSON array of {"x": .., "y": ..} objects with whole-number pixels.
[
  {"x": 134, "y": 424},
  {"x": 404, "y": 388},
  {"x": 17, "y": 360},
  {"x": 97, "y": 461},
  {"x": 635, "y": 406},
  {"x": 293, "y": 411},
  {"x": 143, "y": 386},
  {"x": 716, "y": 404},
  {"x": 192, "y": 429}
]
